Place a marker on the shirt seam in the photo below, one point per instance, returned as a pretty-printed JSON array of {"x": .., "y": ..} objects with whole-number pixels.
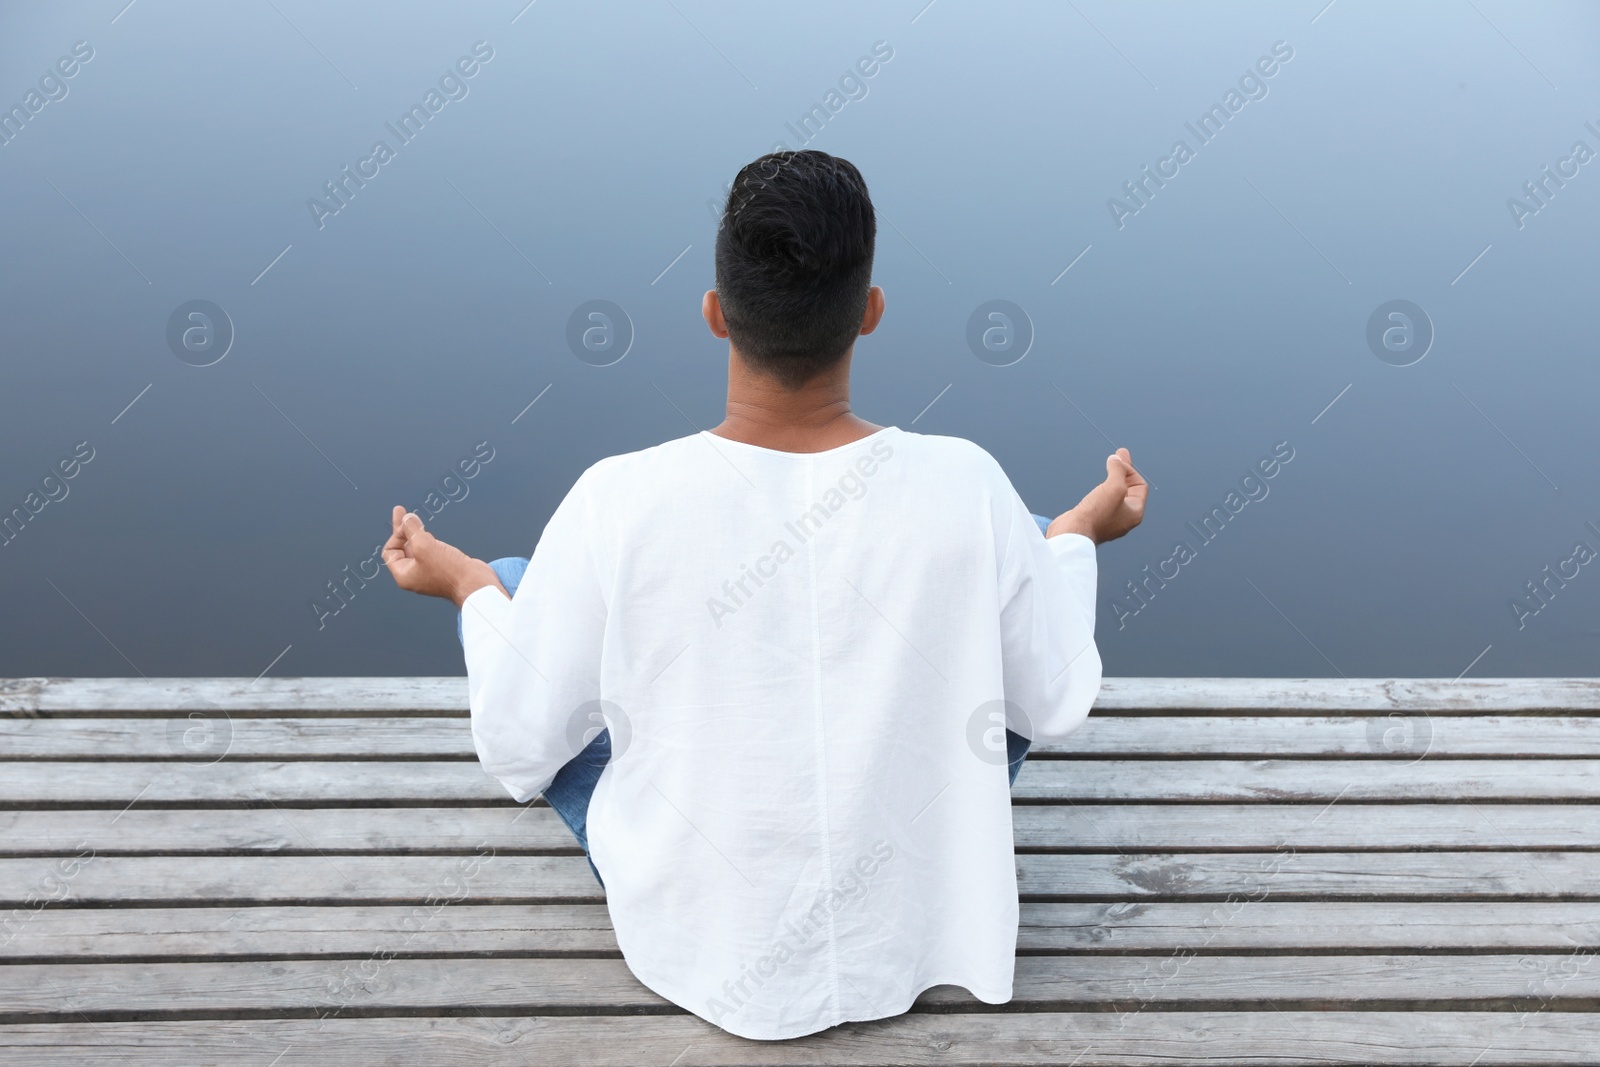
[{"x": 822, "y": 747}]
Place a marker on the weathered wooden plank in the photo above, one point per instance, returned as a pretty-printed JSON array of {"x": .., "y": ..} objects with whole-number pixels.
[
  {"x": 303, "y": 696},
  {"x": 1287, "y": 781},
  {"x": 463, "y": 929},
  {"x": 1345, "y": 825},
  {"x": 1326, "y": 695},
  {"x": 215, "y": 735},
  {"x": 1094, "y": 828},
  {"x": 180, "y": 737},
  {"x": 61, "y": 934},
  {"x": 1310, "y": 875},
  {"x": 27, "y": 783},
  {"x": 30, "y": 885},
  {"x": 1401, "y": 736},
  {"x": 511, "y": 879},
  {"x": 1525, "y": 981},
  {"x": 1272, "y": 925},
  {"x": 70, "y": 992},
  {"x": 279, "y": 829},
  {"x": 226, "y": 782},
  {"x": 32, "y": 696},
  {"x": 920, "y": 1039}
]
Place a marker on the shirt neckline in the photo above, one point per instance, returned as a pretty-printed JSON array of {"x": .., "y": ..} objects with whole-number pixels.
[{"x": 717, "y": 439}]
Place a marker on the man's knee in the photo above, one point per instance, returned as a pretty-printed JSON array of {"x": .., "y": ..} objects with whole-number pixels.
[{"x": 510, "y": 569}]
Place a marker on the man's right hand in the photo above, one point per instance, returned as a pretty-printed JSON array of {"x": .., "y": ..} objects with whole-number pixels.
[
  {"x": 1111, "y": 508},
  {"x": 421, "y": 563}
]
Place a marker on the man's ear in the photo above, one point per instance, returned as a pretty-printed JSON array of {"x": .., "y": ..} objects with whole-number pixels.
[
  {"x": 874, "y": 313},
  {"x": 711, "y": 311}
]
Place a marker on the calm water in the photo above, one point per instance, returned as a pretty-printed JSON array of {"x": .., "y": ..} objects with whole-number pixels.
[{"x": 1226, "y": 319}]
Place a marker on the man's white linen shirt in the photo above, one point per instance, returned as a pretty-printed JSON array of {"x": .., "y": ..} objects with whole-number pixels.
[{"x": 807, "y": 662}]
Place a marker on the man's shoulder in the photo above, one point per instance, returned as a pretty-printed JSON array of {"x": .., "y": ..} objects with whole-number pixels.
[
  {"x": 641, "y": 463},
  {"x": 955, "y": 454}
]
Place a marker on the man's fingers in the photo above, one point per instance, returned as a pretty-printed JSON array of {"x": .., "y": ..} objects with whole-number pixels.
[
  {"x": 1117, "y": 471},
  {"x": 1130, "y": 471},
  {"x": 397, "y": 538},
  {"x": 1136, "y": 498},
  {"x": 1138, "y": 490},
  {"x": 1134, "y": 489},
  {"x": 397, "y": 550}
]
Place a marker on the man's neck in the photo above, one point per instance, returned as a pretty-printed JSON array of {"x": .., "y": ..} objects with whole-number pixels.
[{"x": 812, "y": 418}]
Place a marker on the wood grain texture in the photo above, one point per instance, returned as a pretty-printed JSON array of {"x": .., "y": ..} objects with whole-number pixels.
[
  {"x": 356, "y": 782},
  {"x": 152, "y": 737},
  {"x": 382, "y": 879},
  {"x": 68, "y": 992},
  {"x": 298, "y": 781},
  {"x": 466, "y": 929},
  {"x": 1226, "y": 871},
  {"x": 1037, "y": 827},
  {"x": 1287, "y": 780},
  {"x": 1397, "y": 735},
  {"x": 335, "y": 696},
  {"x": 162, "y": 696},
  {"x": 1284, "y": 1038}
]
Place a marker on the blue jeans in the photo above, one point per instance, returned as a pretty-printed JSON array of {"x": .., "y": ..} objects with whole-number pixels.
[{"x": 569, "y": 792}]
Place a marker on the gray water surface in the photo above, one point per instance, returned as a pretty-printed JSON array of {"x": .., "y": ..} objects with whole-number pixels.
[{"x": 358, "y": 351}]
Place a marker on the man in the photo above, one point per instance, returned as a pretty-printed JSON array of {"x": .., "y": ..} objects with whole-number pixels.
[{"x": 816, "y": 645}]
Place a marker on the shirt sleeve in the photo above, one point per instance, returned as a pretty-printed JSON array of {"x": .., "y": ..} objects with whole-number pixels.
[
  {"x": 533, "y": 662},
  {"x": 1047, "y": 595}
]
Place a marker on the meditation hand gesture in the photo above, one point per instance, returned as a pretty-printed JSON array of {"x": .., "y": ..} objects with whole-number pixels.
[
  {"x": 1112, "y": 508},
  {"x": 422, "y": 563}
]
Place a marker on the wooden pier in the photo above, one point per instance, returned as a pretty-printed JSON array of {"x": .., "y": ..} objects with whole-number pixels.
[{"x": 1223, "y": 871}]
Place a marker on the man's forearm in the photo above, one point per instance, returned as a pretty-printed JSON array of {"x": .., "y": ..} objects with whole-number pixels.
[{"x": 1072, "y": 522}]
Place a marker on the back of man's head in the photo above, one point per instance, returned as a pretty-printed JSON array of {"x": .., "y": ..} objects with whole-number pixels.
[{"x": 794, "y": 262}]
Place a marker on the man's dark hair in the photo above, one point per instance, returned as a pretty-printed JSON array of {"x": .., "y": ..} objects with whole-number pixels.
[{"x": 794, "y": 262}]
